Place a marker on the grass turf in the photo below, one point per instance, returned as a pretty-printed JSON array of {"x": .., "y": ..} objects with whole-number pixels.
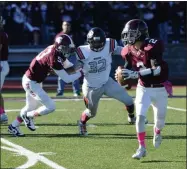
[{"x": 111, "y": 142}]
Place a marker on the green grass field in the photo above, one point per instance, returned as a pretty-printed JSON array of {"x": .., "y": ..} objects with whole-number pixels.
[{"x": 111, "y": 141}]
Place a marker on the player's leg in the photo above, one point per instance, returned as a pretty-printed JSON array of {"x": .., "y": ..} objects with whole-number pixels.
[
  {"x": 31, "y": 104},
  {"x": 114, "y": 90},
  {"x": 160, "y": 108},
  {"x": 36, "y": 91},
  {"x": 76, "y": 88},
  {"x": 142, "y": 102},
  {"x": 61, "y": 85},
  {"x": 41, "y": 96},
  {"x": 91, "y": 99},
  {"x": 4, "y": 71}
]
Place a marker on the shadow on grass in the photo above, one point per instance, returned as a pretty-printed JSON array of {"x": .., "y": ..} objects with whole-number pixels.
[
  {"x": 95, "y": 124},
  {"x": 94, "y": 136},
  {"x": 162, "y": 161}
]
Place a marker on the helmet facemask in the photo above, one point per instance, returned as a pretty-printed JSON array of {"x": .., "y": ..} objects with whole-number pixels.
[
  {"x": 97, "y": 44},
  {"x": 66, "y": 50},
  {"x": 130, "y": 36}
]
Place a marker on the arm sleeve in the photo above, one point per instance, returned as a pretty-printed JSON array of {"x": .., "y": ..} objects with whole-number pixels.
[{"x": 66, "y": 77}]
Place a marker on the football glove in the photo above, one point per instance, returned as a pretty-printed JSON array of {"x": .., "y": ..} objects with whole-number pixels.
[{"x": 129, "y": 74}]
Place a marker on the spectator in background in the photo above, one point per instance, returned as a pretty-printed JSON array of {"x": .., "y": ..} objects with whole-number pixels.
[
  {"x": 36, "y": 22},
  {"x": 162, "y": 14},
  {"x": 66, "y": 29},
  {"x": 176, "y": 20}
]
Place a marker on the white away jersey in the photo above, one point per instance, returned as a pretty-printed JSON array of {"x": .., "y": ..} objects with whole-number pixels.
[{"x": 97, "y": 65}]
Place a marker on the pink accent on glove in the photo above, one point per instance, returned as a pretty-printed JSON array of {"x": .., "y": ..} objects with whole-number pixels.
[{"x": 169, "y": 88}]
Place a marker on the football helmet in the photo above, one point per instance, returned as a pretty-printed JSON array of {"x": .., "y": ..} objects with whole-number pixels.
[
  {"x": 96, "y": 39},
  {"x": 134, "y": 30},
  {"x": 64, "y": 45}
]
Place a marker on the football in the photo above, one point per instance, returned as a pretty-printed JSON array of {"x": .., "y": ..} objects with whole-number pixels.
[{"x": 127, "y": 83}]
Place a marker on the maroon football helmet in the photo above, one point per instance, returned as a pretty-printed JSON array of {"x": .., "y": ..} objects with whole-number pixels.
[
  {"x": 134, "y": 30},
  {"x": 64, "y": 45}
]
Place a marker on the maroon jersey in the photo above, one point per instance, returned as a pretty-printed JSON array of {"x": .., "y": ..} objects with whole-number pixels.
[
  {"x": 4, "y": 46},
  {"x": 151, "y": 51},
  {"x": 42, "y": 64}
]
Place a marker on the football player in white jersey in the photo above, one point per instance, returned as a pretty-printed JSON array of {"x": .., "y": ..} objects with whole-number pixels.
[{"x": 96, "y": 59}]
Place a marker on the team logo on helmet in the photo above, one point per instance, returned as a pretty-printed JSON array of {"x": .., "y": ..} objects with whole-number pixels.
[{"x": 90, "y": 34}]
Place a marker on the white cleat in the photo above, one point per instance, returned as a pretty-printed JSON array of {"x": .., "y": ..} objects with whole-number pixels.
[
  {"x": 157, "y": 140},
  {"x": 140, "y": 152},
  {"x": 29, "y": 123}
]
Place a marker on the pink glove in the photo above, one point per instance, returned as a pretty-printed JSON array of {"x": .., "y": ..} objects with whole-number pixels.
[{"x": 168, "y": 86}]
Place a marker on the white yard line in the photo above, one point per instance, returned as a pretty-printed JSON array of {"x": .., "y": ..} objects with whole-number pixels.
[
  {"x": 174, "y": 108},
  {"x": 168, "y": 107},
  {"x": 33, "y": 158}
]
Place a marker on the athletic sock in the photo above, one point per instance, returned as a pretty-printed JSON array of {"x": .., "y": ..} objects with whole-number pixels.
[{"x": 141, "y": 139}]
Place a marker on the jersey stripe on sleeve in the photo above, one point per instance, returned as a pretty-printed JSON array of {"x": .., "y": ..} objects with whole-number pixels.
[
  {"x": 79, "y": 53},
  {"x": 112, "y": 45}
]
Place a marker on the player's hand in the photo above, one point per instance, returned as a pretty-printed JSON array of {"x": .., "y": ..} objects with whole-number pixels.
[{"x": 129, "y": 74}]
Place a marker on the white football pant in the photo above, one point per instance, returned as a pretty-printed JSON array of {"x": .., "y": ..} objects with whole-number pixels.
[
  {"x": 157, "y": 98},
  {"x": 35, "y": 95}
]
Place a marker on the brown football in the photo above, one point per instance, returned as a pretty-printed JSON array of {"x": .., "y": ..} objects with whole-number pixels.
[{"x": 126, "y": 83}]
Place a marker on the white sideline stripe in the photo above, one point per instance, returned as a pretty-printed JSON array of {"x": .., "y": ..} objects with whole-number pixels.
[
  {"x": 174, "y": 108},
  {"x": 32, "y": 157},
  {"x": 13, "y": 110}
]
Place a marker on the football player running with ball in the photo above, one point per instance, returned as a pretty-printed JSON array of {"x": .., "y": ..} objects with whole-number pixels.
[
  {"x": 144, "y": 56},
  {"x": 53, "y": 58},
  {"x": 96, "y": 58}
]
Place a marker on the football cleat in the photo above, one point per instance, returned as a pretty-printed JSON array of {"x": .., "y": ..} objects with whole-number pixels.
[
  {"x": 82, "y": 129},
  {"x": 4, "y": 118},
  {"x": 29, "y": 123},
  {"x": 157, "y": 140},
  {"x": 131, "y": 120},
  {"x": 140, "y": 152},
  {"x": 15, "y": 131}
]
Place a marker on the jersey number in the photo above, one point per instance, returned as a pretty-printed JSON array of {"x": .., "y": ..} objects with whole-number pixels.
[
  {"x": 97, "y": 66},
  {"x": 152, "y": 41}
]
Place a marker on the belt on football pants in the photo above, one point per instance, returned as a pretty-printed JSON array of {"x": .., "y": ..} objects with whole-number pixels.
[{"x": 154, "y": 85}]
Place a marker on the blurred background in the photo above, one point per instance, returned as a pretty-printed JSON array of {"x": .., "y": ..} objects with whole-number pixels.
[{"x": 31, "y": 26}]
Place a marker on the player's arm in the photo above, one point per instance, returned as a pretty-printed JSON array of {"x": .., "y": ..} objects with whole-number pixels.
[
  {"x": 155, "y": 55},
  {"x": 68, "y": 77}
]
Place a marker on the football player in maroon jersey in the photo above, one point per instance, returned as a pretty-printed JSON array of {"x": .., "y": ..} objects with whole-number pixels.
[
  {"x": 53, "y": 58},
  {"x": 4, "y": 68},
  {"x": 145, "y": 63}
]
